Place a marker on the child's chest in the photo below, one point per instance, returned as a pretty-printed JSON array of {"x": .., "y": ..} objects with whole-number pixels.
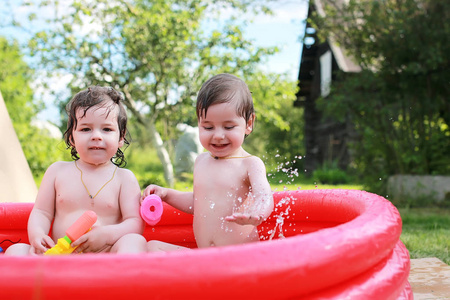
[
  {"x": 89, "y": 193},
  {"x": 219, "y": 189},
  {"x": 222, "y": 177}
]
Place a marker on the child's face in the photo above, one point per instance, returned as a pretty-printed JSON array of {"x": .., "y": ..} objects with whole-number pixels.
[
  {"x": 222, "y": 131},
  {"x": 97, "y": 137}
]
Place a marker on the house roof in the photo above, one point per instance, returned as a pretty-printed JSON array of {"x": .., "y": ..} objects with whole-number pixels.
[{"x": 345, "y": 62}]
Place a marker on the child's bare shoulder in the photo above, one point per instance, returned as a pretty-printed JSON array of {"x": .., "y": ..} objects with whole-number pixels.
[
  {"x": 125, "y": 175},
  {"x": 254, "y": 164},
  {"x": 58, "y": 169},
  {"x": 254, "y": 160},
  {"x": 201, "y": 157},
  {"x": 60, "y": 166}
]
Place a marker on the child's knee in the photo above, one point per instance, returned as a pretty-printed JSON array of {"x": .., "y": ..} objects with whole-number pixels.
[
  {"x": 153, "y": 246},
  {"x": 158, "y": 246},
  {"x": 18, "y": 249},
  {"x": 130, "y": 243}
]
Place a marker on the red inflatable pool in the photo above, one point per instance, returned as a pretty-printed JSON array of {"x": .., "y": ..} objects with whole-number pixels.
[{"x": 318, "y": 244}]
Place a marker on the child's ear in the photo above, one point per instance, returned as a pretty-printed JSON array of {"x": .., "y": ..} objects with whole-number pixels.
[
  {"x": 250, "y": 123},
  {"x": 121, "y": 142}
]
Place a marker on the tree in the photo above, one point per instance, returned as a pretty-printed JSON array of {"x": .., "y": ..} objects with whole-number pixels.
[
  {"x": 278, "y": 131},
  {"x": 15, "y": 78},
  {"x": 155, "y": 52},
  {"x": 399, "y": 102}
]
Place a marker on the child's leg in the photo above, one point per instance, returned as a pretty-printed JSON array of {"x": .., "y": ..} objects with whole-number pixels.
[
  {"x": 18, "y": 249},
  {"x": 158, "y": 246},
  {"x": 130, "y": 243}
]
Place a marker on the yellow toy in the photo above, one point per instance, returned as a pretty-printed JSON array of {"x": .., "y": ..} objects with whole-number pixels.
[{"x": 80, "y": 227}]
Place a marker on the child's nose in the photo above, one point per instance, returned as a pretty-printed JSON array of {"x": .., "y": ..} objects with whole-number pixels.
[
  {"x": 96, "y": 135},
  {"x": 219, "y": 134}
]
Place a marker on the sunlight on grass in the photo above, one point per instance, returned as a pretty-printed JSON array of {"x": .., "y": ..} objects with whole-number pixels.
[
  {"x": 309, "y": 186},
  {"x": 426, "y": 232}
]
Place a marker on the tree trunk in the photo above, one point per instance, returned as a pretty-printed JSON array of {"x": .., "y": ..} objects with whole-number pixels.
[
  {"x": 162, "y": 153},
  {"x": 157, "y": 141}
]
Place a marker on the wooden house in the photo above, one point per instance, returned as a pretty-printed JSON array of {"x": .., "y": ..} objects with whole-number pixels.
[{"x": 326, "y": 140}]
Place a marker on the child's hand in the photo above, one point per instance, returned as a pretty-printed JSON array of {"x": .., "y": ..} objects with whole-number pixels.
[
  {"x": 40, "y": 245},
  {"x": 245, "y": 219},
  {"x": 94, "y": 241},
  {"x": 154, "y": 189}
]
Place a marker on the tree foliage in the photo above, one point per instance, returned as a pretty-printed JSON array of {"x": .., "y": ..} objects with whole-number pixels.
[
  {"x": 399, "y": 102},
  {"x": 156, "y": 52},
  {"x": 15, "y": 78},
  {"x": 278, "y": 129}
]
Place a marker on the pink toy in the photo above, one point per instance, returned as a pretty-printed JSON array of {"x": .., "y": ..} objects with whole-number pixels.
[{"x": 151, "y": 209}]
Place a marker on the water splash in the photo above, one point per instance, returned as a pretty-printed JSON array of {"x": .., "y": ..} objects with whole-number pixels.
[{"x": 281, "y": 217}]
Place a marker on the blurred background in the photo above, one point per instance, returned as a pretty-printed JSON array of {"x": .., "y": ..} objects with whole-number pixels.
[{"x": 348, "y": 94}]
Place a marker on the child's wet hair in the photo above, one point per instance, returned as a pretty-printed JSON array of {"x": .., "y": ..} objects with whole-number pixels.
[
  {"x": 224, "y": 88},
  {"x": 86, "y": 99}
]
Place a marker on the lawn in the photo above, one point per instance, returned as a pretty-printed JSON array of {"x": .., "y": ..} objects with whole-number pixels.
[{"x": 426, "y": 232}]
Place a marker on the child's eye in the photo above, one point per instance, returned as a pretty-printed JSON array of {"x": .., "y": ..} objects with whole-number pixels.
[
  {"x": 85, "y": 129},
  {"x": 207, "y": 128},
  {"x": 107, "y": 129},
  {"x": 229, "y": 127}
]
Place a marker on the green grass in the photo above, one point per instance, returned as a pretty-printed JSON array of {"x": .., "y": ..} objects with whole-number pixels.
[
  {"x": 311, "y": 186},
  {"x": 281, "y": 182},
  {"x": 426, "y": 232}
]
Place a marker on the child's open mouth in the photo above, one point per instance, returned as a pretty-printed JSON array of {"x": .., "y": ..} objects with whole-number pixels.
[{"x": 220, "y": 146}]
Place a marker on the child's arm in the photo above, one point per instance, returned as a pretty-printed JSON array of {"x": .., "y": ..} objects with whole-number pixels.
[
  {"x": 259, "y": 204},
  {"x": 102, "y": 238},
  {"x": 42, "y": 214},
  {"x": 183, "y": 201}
]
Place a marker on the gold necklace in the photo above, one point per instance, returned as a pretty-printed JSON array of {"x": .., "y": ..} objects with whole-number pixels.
[
  {"x": 90, "y": 196},
  {"x": 228, "y": 157}
]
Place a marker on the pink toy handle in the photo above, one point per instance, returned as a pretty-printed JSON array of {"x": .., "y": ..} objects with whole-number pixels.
[
  {"x": 81, "y": 225},
  {"x": 151, "y": 209}
]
